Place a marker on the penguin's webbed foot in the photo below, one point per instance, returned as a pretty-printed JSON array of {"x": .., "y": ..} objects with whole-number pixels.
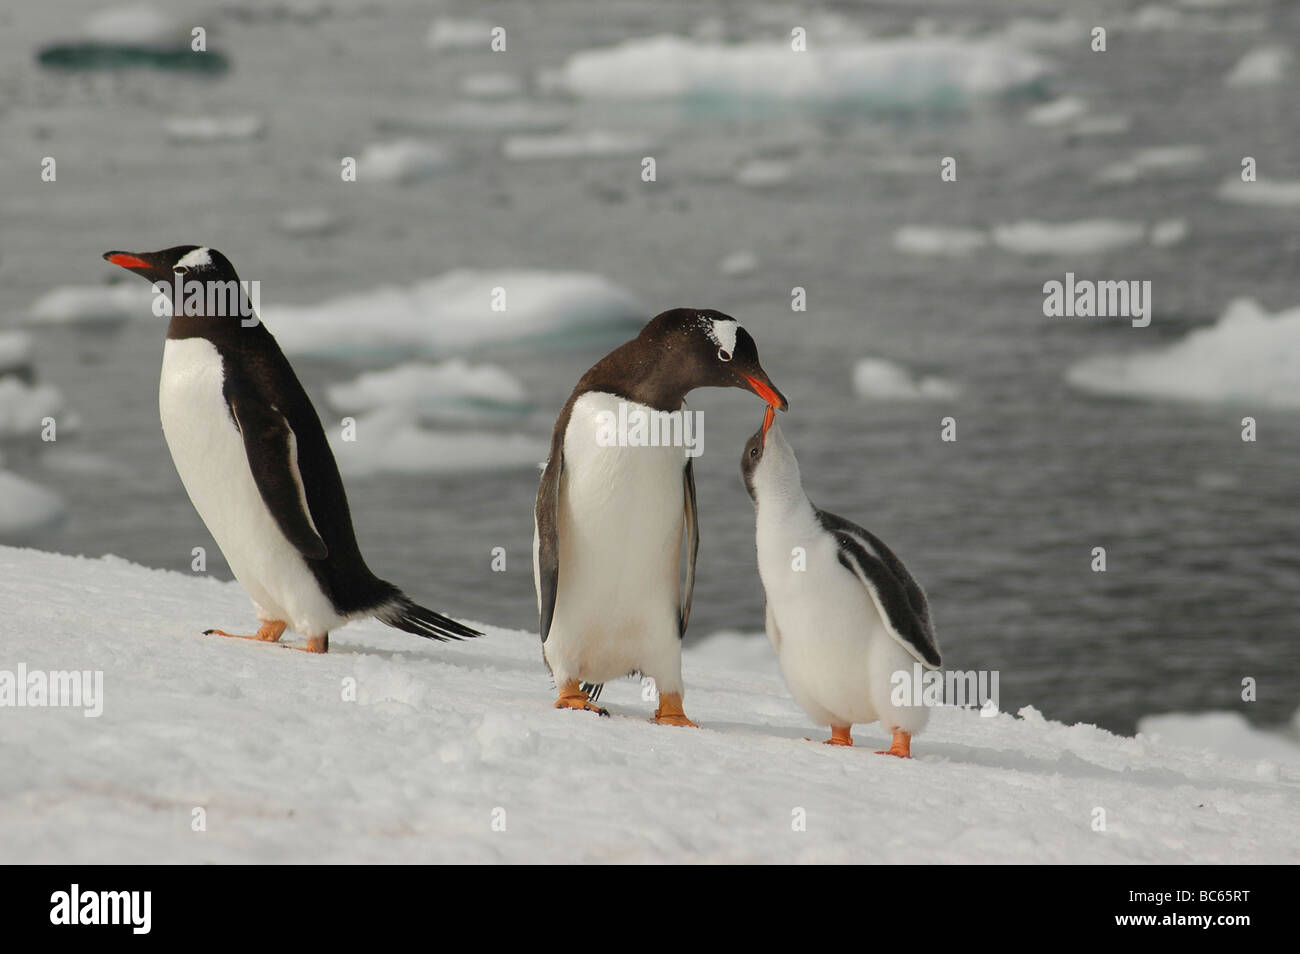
[
  {"x": 670, "y": 711},
  {"x": 573, "y": 697},
  {"x": 269, "y": 632},
  {"x": 840, "y": 735},
  {"x": 901, "y": 746}
]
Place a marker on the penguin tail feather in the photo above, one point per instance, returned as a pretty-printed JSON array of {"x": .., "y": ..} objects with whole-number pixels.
[{"x": 409, "y": 616}]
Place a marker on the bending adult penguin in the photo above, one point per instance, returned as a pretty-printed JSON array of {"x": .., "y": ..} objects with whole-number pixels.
[
  {"x": 611, "y": 518},
  {"x": 251, "y": 452},
  {"x": 846, "y": 620}
]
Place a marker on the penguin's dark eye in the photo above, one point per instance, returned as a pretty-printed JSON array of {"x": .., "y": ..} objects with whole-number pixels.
[
  {"x": 753, "y": 452},
  {"x": 181, "y": 270},
  {"x": 724, "y": 355}
]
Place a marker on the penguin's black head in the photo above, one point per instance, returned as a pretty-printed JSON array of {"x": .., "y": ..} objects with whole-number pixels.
[
  {"x": 196, "y": 262},
  {"x": 705, "y": 348},
  {"x": 199, "y": 281},
  {"x": 754, "y": 448}
]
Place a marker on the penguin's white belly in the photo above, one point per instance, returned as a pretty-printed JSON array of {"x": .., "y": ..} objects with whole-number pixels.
[
  {"x": 837, "y": 655},
  {"x": 622, "y": 514},
  {"x": 209, "y": 454}
]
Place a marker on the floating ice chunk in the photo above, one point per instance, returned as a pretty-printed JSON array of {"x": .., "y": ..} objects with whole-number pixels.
[
  {"x": 210, "y": 129},
  {"x": 1112, "y": 124},
  {"x": 1146, "y": 161},
  {"x": 593, "y": 143},
  {"x": 1247, "y": 358},
  {"x": 308, "y": 222},
  {"x": 884, "y": 380},
  {"x": 447, "y": 33},
  {"x": 403, "y": 161},
  {"x": 1168, "y": 232},
  {"x": 1029, "y": 31},
  {"x": 27, "y": 510},
  {"x": 763, "y": 173},
  {"x": 491, "y": 85},
  {"x": 23, "y": 405},
  {"x": 1086, "y": 237},
  {"x": 15, "y": 353},
  {"x": 455, "y": 310},
  {"x": 480, "y": 117},
  {"x": 136, "y": 25},
  {"x": 1058, "y": 112},
  {"x": 938, "y": 240},
  {"x": 1274, "y": 193},
  {"x": 738, "y": 263},
  {"x": 449, "y": 389},
  {"x": 92, "y": 304},
  {"x": 1262, "y": 66},
  {"x": 391, "y": 441},
  {"x": 908, "y": 73}
]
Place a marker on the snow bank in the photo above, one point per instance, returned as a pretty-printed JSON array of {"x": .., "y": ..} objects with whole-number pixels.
[
  {"x": 1262, "y": 66},
  {"x": 593, "y": 143},
  {"x": 908, "y": 73},
  {"x": 455, "y": 311},
  {"x": 23, "y": 405},
  {"x": 938, "y": 240},
  {"x": 27, "y": 511},
  {"x": 402, "y": 161},
  {"x": 1273, "y": 193},
  {"x": 883, "y": 380},
  {"x": 1247, "y": 358},
  {"x": 391, "y": 441},
  {"x": 443, "y": 739},
  {"x": 93, "y": 304},
  {"x": 1225, "y": 734},
  {"x": 450, "y": 389},
  {"x": 1086, "y": 237},
  {"x": 202, "y": 130}
]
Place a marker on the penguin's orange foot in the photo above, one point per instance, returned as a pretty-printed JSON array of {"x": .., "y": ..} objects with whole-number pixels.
[
  {"x": 267, "y": 633},
  {"x": 572, "y": 697},
  {"x": 901, "y": 746},
  {"x": 315, "y": 644},
  {"x": 840, "y": 735},
  {"x": 670, "y": 711}
]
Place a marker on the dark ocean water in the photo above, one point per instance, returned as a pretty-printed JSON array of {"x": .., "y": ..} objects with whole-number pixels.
[{"x": 1200, "y": 529}]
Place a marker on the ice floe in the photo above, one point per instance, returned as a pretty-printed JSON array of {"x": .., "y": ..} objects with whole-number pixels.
[
  {"x": 880, "y": 379},
  {"x": 454, "y": 311},
  {"x": 450, "y": 389},
  {"x": 1247, "y": 358}
]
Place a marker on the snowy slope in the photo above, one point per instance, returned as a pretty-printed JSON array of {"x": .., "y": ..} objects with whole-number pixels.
[{"x": 441, "y": 735}]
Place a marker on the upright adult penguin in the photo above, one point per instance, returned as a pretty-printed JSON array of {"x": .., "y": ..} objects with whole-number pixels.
[
  {"x": 611, "y": 518},
  {"x": 848, "y": 616},
  {"x": 254, "y": 460}
]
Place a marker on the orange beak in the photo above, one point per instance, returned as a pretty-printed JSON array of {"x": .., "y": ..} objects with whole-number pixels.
[
  {"x": 125, "y": 260},
  {"x": 765, "y": 390},
  {"x": 769, "y": 415}
]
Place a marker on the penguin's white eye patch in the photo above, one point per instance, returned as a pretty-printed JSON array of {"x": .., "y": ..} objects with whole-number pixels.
[
  {"x": 196, "y": 259},
  {"x": 724, "y": 355}
]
